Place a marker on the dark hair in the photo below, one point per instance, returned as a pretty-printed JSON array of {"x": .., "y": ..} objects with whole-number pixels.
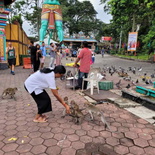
[
  {"x": 37, "y": 45},
  {"x": 58, "y": 69},
  {"x": 85, "y": 44},
  {"x": 32, "y": 42}
]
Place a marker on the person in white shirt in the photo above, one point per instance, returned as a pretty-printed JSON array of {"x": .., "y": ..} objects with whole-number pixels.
[{"x": 36, "y": 84}]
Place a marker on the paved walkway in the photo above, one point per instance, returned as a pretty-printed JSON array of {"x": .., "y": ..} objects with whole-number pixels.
[{"x": 19, "y": 135}]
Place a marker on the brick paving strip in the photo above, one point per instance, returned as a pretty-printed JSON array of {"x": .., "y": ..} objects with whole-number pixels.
[{"x": 19, "y": 135}]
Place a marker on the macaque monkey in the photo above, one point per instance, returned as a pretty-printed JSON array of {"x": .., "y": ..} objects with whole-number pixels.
[
  {"x": 74, "y": 105},
  {"x": 69, "y": 74},
  {"x": 67, "y": 102},
  {"x": 10, "y": 92},
  {"x": 93, "y": 109},
  {"x": 76, "y": 113}
]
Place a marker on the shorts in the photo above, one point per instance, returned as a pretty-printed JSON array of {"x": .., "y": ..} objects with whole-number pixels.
[
  {"x": 12, "y": 61},
  {"x": 42, "y": 60}
]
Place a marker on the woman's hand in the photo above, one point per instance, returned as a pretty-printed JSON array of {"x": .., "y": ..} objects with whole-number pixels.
[
  {"x": 55, "y": 93},
  {"x": 67, "y": 109}
]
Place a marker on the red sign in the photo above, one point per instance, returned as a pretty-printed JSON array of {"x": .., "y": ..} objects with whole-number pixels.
[{"x": 107, "y": 38}]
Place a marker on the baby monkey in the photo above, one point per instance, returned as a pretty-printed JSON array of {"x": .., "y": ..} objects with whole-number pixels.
[
  {"x": 9, "y": 92},
  {"x": 95, "y": 110},
  {"x": 64, "y": 111},
  {"x": 76, "y": 113}
]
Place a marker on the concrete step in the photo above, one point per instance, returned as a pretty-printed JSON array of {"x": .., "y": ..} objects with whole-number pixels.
[
  {"x": 143, "y": 112},
  {"x": 123, "y": 102}
]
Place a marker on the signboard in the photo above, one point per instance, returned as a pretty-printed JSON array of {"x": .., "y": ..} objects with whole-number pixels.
[
  {"x": 106, "y": 38},
  {"x": 132, "y": 41},
  {"x": 2, "y": 45}
]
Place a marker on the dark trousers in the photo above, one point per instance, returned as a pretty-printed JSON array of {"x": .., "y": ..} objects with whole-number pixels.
[
  {"x": 82, "y": 75},
  {"x": 36, "y": 65}
]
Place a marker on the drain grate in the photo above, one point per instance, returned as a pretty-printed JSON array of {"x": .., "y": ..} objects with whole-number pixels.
[{"x": 95, "y": 149}]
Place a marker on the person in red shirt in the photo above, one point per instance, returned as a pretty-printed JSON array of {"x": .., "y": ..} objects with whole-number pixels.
[
  {"x": 67, "y": 53},
  {"x": 84, "y": 57}
]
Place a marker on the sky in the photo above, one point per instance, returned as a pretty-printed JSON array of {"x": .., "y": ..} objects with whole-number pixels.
[{"x": 99, "y": 8}]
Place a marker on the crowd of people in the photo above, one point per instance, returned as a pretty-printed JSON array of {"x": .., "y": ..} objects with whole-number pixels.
[
  {"x": 38, "y": 55},
  {"x": 56, "y": 52}
]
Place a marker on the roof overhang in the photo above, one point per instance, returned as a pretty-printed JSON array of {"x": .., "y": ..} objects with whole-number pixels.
[
  {"x": 8, "y": 2},
  {"x": 79, "y": 40}
]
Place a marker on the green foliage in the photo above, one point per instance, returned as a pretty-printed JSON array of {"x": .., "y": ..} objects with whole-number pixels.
[
  {"x": 113, "y": 52},
  {"x": 33, "y": 39},
  {"x": 127, "y": 14},
  {"x": 17, "y": 19},
  {"x": 30, "y": 11},
  {"x": 140, "y": 56},
  {"x": 79, "y": 16}
]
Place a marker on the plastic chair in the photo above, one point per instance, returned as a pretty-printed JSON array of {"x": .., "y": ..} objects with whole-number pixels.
[
  {"x": 72, "y": 80},
  {"x": 93, "y": 79}
]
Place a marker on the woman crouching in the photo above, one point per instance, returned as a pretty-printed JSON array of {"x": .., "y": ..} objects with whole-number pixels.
[{"x": 36, "y": 85}]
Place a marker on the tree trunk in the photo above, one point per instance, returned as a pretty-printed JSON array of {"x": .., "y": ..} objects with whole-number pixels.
[{"x": 133, "y": 23}]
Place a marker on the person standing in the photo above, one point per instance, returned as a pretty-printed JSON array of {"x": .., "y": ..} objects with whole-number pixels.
[
  {"x": 36, "y": 84},
  {"x": 84, "y": 57},
  {"x": 38, "y": 57},
  {"x": 58, "y": 55},
  {"x": 93, "y": 57},
  {"x": 11, "y": 57},
  {"x": 67, "y": 51},
  {"x": 43, "y": 52},
  {"x": 79, "y": 49},
  {"x": 33, "y": 51},
  {"x": 52, "y": 55},
  {"x": 102, "y": 52}
]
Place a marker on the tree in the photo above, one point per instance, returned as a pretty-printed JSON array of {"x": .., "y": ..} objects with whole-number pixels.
[
  {"x": 127, "y": 14},
  {"x": 17, "y": 19},
  {"x": 78, "y": 16},
  {"x": 29, "y": 11}
]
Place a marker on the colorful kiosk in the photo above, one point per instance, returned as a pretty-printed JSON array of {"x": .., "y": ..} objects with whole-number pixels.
[{"x": 3, "y": 22}]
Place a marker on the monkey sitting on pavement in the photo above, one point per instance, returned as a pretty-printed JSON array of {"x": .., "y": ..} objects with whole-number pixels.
[
  {"x": 64, "y": 111},
  {"x": 9, "y": 92},
  {"x": 93, "y": 109},
  {"x": 76, "y": 113}
]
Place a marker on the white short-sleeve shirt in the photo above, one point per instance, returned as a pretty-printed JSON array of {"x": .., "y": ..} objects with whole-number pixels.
[{"x": 39, "y": 81}]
